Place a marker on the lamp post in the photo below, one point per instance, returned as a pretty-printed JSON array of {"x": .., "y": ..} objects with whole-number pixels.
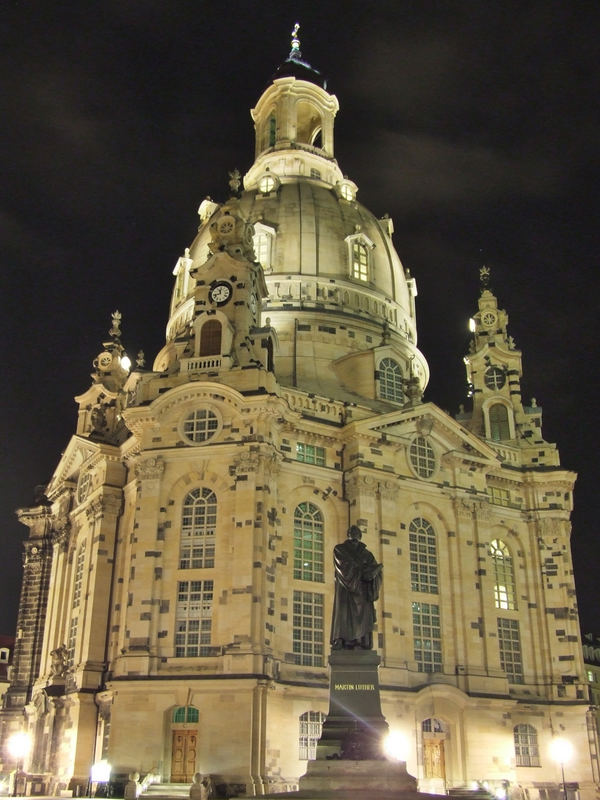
[
  {"x": 561, "y": 751},
  {"x": 18, "y": 746}
]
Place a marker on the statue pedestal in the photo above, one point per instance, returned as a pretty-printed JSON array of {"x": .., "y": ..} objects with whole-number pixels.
[
  {"x": 350, "y": 760},
  {"x": 355, "y": 727},
  {"x": 365, "y": 778}
]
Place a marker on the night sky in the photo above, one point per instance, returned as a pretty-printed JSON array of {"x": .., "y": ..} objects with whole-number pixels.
[{"x": 473, "y": 124}]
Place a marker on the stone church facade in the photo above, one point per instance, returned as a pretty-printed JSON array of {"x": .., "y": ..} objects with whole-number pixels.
[{"x": 178, "y": 580}]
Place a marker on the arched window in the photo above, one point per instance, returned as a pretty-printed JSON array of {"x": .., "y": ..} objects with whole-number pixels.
[
  {"x": 198, "y": 522},
  {"x": 308, "y": 122},
  {"x": 527, "y": 752},
  {"x": 308, "y": 543},
  {"x": 499, "y": 427},
  {"x": 390, "y": 380},
  {"x": 263, "y": 241},
  {"x": 311, "y": 725},
  {"x": 210, "y": 338},
  {"x": 504, "y": 576},
  {"x": 423, "y": 556},
  {"x": 360, "y": 261},
  {"x": 185, "y": 714}
]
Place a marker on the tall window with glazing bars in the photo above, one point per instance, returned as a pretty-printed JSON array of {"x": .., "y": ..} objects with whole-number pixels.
[
  {"x": 198, "y": 522},
  {"x": 504, "y": 576},
  {"x": 193, "y": 618},
  {"x": 509, "y": 641},
  {"x": 308, "y": 543},
  {"x": 423, "y": 556},
  {"x": 308, "y": 629},
  {"x": 427, "y": 635}
]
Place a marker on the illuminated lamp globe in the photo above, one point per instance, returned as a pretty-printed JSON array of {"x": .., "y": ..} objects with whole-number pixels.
[
  {"x": 561, "y": 750},
  {"x": 19, "y": 744}
]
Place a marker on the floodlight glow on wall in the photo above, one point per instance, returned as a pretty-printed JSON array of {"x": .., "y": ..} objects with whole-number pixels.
[
  {"x": 395, "y": 746},
  {"x": 19, "y": 744},
  {"x": 100, "y": 772}
]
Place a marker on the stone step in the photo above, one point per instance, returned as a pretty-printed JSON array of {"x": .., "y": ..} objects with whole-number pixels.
[{"x": 165, "y": 791}]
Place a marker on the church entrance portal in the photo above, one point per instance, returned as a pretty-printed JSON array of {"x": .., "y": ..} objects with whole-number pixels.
[{"x": 183, "y": 759}]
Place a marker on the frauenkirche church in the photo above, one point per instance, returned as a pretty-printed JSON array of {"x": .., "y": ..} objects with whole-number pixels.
[{"x": 178, "y": 579}]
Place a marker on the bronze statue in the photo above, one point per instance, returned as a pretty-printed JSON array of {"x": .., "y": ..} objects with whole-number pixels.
[{"x": 357, "y": 582}]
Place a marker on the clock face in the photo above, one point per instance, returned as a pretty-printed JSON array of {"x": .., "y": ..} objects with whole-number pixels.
[
  {"x": 220, "y": 293},
  {"x": 488, "y": 318},
  {"x": 226, "y": 226},
  {"x": 104, "y": 360}
]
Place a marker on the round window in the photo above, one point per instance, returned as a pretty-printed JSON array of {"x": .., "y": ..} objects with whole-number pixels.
[
  {"x": 346, "y": 192},
  {"x": 266, "y": 184},
  {"x": 200, "y": 426},
  {"x": 494, "y": 378},
  {"x": 422, "y": 457}
]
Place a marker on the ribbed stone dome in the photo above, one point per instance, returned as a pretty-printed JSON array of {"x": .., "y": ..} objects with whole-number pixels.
[
  {"x": 314, "y": 231},
  {"x": 338, "y": 298}
]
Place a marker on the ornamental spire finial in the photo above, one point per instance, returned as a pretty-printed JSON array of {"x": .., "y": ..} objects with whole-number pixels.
[
  {"x": 115, "y": 330},
  {"x": 485, "y": 273},
  {"x": 295, "y": 53}
]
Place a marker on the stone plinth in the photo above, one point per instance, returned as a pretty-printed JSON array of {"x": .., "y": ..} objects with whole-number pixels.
[
  {"x": 357, "y": 776},
  {"x": 355, "y": 727}
]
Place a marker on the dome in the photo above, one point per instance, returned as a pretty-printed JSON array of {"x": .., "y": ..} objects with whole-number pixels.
[{"x": 329, "y": 263}]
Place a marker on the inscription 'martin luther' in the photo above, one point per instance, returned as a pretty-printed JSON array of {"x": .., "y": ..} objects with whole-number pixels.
[{"x": 354, "y": 687}]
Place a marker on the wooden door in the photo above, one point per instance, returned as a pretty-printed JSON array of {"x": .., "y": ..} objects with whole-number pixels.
[
  {"x": 435, "y": 762},
  {"x": 183, "y": 760}
]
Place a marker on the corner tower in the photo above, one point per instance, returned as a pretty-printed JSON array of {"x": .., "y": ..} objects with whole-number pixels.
[{"x": 494, "y": 370}]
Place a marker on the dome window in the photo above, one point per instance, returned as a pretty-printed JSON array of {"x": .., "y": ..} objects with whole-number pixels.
[
  {"x": 346, "y": 190},
  {"x": 263, "y": 244},
  {"x": 360, "y": 261},
  {"x": 391, "y": 380},
  {"x": 359, "y": 255},
  {"x": 267, "y": 184},
  {"x": 272, "y": 131}
]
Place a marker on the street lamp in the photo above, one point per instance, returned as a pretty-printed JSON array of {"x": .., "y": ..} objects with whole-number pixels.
[
  {"x": 18, "y": 746},
  {"x": 100, "y": 776},
  {"x": 561, "y": 751}
]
